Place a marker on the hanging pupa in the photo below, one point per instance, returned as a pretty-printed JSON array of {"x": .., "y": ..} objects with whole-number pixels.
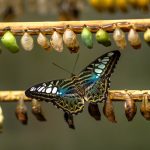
[
  {"x": 70, "y": 40},
  {"x": 143, "y": 4},
  {"x": 108, "y": 110},
  {"x": 57, "y": 41},
  {"x": 102, "y": 37},
  {"x": 69, "y": 119},
  {"x": 122, "y": 5},
  {"x": 94, "y": 111},
  {"x": 133, "y": 3},
  {"x": 134, "y": 39},
  {"x": 130, "y": 107},
  {"x": 69, "y": 9},
  {"x": 97, "y": 4},
  {"x": 32, "y": 6},
  {"x": 145, "y": 107},
  {"x": 119, "y": 38},
  {"x": 109, "y": 5},
  {"x": 147, "y": 36},
  {"x": 1, "y": 119},
  {"x": 37, "y": 110},
  {"x": 42, "y": 6},
  {"x": 43, "y": 41},
  {"x": 9, "y": 41},
  {"x": 18, "y": 8},
  {"x": 27, "y": 41},
  {"x": 21, "y": 112},
  {"x": 87, "y": 37}
]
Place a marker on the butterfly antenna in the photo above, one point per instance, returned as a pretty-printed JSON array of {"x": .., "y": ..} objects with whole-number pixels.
[
  {"x": 74, "y": 67},
  {"x": 62, "y": 68}
]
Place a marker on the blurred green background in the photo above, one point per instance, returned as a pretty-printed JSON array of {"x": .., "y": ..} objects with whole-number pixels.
[{"x": 20, "y": 71}]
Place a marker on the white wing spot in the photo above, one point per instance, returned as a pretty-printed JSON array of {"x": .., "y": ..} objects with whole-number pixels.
[
  {"x": 96, "y": 65},
  {"x": 33, "y": 89},
  {"x": 99, "y": 60},
  {"x": 44, "y": 84},
  {"x": 105, "y": 59},
  {"x": 39, "y": 90},
  {"x": 110, "y": 54},
  {"x": 38, "y": 87},
  {"x": 54, "y": 90},
  {"x": 50, "y": 85},
  {"x": 98, "y": 70},
  {"x": 104, "y": 62},
  {"x": 101, "y": 66},
  {"x": 48, "y": 90},
  {"x": 43, "y": 90}
]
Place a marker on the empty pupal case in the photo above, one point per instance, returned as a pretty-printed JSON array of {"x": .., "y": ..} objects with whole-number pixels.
[
  {"x": 57, "y": 41},
  {"x": 27, "y": 42}
]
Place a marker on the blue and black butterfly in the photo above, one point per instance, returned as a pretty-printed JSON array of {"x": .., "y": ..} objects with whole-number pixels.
[{"x": 90, "y": 85}]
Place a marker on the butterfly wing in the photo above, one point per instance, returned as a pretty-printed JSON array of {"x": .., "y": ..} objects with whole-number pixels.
[
  {"x": 95, "y": 77},
  {"x": 60, "y": 92}
]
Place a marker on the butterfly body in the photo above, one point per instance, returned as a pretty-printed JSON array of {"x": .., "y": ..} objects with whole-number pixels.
[{"x": 90, "y": 85}]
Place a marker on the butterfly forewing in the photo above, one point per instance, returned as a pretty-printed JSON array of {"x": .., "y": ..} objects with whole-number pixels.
[
  {"x": 60, "y": 92},
  {"x": 95, "y": 77}
]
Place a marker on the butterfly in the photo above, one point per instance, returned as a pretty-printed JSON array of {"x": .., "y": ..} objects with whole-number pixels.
[{"x": 91, "y": 85}]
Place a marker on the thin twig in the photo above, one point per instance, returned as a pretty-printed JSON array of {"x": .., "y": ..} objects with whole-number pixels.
[
  {"x": 115, "y": 95},
  {"x": 34, "y": 28}
]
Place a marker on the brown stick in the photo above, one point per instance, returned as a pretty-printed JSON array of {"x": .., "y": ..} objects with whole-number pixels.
[
  {"x": 115, "y": 95},
  {"x": 18, "y": 28}
]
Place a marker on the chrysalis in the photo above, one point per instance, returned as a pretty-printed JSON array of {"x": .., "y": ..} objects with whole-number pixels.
[
  {"x": 94, "y": 111},
  {"x": 70, "y": 39},
  {"x": 108, "y": 110},
  {"x": 21, "y": 112},
  {"x": 109, "y": 5},
  {"x": 87, "y": 38},
  {"x": 37, "y": 110},
  {"x": 1, "y": 119},
  {"x": 121, "y": 4},
  {"x": 145, "y": 107},
  {"x": 18, "y": 7},
  {"x": 27, "y": 42},
  {"x": 97, "y": 4},
  {"x": 102, "y": 37},
  {"x": 119, "y": 38},
  {"x": 57, "y": 41},
  {"x": 69, "y": 119},
  {"x": 134, "y": 39},
  {"x": 143, "y": 4},
  {"x": 42, "y": 7},
  {"x": 32, "y": 6},
  {"x": 9, "y": 41},
  {"x": 69, "y": 9},
  {"x": 43, "y": 41},
  {"x": 133, "y": 3},
  {"x": 130, "y": 107},
  {"x": 147, "y": 36}
]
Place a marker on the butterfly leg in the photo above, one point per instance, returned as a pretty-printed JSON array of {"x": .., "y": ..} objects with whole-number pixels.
[
  {"x": 94, "y": 111},
  {"x": 69, "y": 119}
]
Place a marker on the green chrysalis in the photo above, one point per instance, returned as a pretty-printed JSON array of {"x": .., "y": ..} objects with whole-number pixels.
[
  {"x": 87, "y": 38},
  {"x": 102, "y": 37},
  {"x": 9, "y": 41}
]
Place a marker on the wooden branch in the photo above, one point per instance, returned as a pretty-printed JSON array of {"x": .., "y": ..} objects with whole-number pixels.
[
  {"x": 34, "y": 28},
  {"x": 115, "y": 95}
]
